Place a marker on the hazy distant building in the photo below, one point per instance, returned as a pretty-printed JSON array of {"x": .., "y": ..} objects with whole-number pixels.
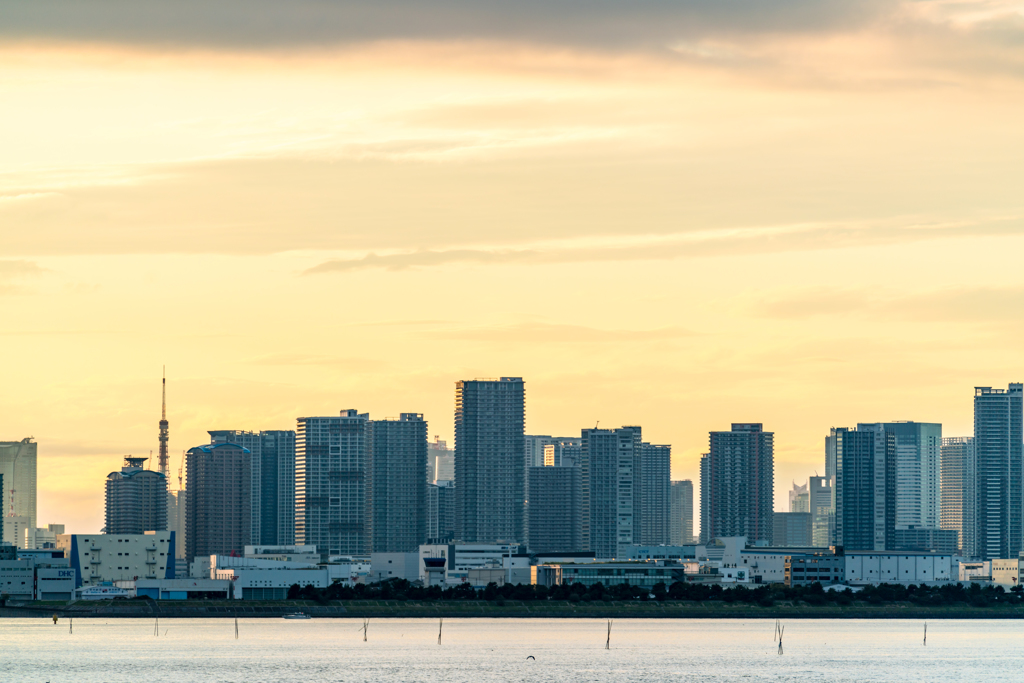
[
  {"x": 177, "y": 509},
  {"x": 652, "y": 506},
  {"x": 398, "y": 454},
  {"x": 219, "y": 512},
  {"x": 136, "y": 499},
  {"x": 819, "y": 493},
  {"x": 440, "y": 461},
  {"x": 865, "y": 487},
  {"x": 333, "y": 483},
  {"x": 40, "y": 539},
  {"x": 941, "y": 541},
  {"x": 18, "y": 467},
  {"x": 918, "y": 446},
  {"x": 997, "y": 446},
  {"x": 274, "y": 458},
  {"x": 556, "y": 509},
  {"x": 799, "y": 498},
  {"x": 547, "y": 451},
  {"x": 441, "y": 512},
  {"x": 792, "y": 529},
  {"x": 739, "y": 484},
  {"x": 958, "y": 508},
  {"x": 681, "y": 507},
  {"x": 490, "y": 473}
]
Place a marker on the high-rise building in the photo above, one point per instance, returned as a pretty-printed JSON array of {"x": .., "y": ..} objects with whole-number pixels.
[
  {"x": 799, "y": 498},
  {"x": 177, "y": 508},
  {"x": 705, "y": 497},
  {"x": 823, "y": 516},
  {"x": 490, "y": 472},
  {"x": 333, "y": 483},
  {"x": 652, "y": 507},
  {"x": 792, "y": 529},
  {"x": 18, "y": 467},
  {"x": 739, "y": 484},
  {"x": 917, "y": 473},
  {"x": 440, "y": 461},
  {"x": 221, "y": 488},
  {"x": 441, "y": 512},
  {"x": 608, "y": 459},
  {"x": 865, "y": 487},
  {"x": 958, "y": 491},
  {"x": 681, "y": 522},
  {"x": 136, "y": 499},
  {"x": 555, "y": 509},
  {"x": 997, "y": 447},
  {"x": 274, "y": 451},
  {"x": 546, "y": 451},
  {"x": 398, "y": 456}
]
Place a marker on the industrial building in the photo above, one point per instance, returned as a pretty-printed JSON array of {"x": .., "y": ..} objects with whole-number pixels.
[{"x": 100, "y": 558}]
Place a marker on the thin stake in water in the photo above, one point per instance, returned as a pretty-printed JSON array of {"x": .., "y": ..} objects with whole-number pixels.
[
  {"x": 71, "y": 625},
  {"x": 439, "y": 627},
  {"x": 778, "y": 627},
  {"x": 156, "y": 627},
  {"x": 366, "y": 625},
  {"x": 926, "y": 633},
  {"x": 608, "y": 643},
  {"x": 236, "y": 628},
  {"x": 781, "y": 631}
]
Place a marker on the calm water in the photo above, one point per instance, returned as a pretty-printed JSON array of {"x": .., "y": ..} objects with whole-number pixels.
[{"x": 406, "y": 650}]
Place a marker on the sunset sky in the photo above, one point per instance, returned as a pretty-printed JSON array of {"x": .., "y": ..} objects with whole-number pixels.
[{"x": 806, "y": 213}]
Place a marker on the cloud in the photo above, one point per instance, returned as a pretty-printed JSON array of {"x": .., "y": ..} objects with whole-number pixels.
[
  {"x": 274, "y": 23},
  {"x": 13, "y": 270},
  {"x": 424, "y": 258},
  {"x": 546, "y": 332}
]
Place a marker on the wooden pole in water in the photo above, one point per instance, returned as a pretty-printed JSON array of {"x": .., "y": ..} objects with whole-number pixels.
[
  {"x": 71, "y": 624},
  {"x": 156, "y": 627},
  {"x": 926, "y": 633},
  {"x": 236, "y": 627},
  {"x": 781, "y": 631},
  {"x": 366, "y": 625},
  {"x": 439, "y": 627},
  {"x": 608, "y": 643}
]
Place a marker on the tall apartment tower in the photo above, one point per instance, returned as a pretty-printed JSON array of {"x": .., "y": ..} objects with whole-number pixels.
[
  {"x": 398, "y": 457},
  {"x": 865, "y": 487},
  {"x": 681, "y": 507},
  {"x": 136, "y": 499},
  {"x": 18, "y": 467},
  {"x": 652, "y": 508},
  {"x": 441, "y": 512},
  {"x": 740, "y": 482},
  {"x": 705, "y": 497},
  {"x": 608, "y": 461},
  {"x": 997, "y": 446},
  {"x": 918, "y": 446},
  {"x": 958, "y": 509},
  {"x": 333, "y": 483},
  {"x": 490, "y": 474},
  {"x": 219, "y": 505},
  {"x": 556, "y": 508},
  {"x": 823, "y": 516},
  {"x": 274, "y": 451}
]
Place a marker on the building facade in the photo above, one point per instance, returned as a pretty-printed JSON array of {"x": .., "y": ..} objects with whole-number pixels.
[
  {"x": 865, "y": 488},
  {"x": 100, "y": 558},
  {"x": 440, "y": 461},
  {"x": 681, "y": 506},
  {"x": 918, "y": 449},
  {"x": 740, "y": 484},
  {"x": 398, "y": 456},
  {"x": 18, "y": 468},
  {"x": 652, "y": 505},
  {"x": 607, "y": 472},
  {"x": 998, "y": 485},
  {"x": 490, "y": 471},
  {"x": 819, "y": 496},
  {"x": 793, "y": 529},
  {"x": 219, "y": 507},
  {"x": 441, "y": 512},
  {"x": 333, "y": 483},
  {"x": 136, "y": 499},
  {"x": 556, "y": 509},
  {"x": 958, "y": 509}
]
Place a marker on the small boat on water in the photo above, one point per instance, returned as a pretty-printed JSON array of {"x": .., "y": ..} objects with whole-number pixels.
[{"x": 297, "y": 615}]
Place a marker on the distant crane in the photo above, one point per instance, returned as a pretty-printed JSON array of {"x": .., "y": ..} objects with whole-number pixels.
[{"x": 181, "y": 468}]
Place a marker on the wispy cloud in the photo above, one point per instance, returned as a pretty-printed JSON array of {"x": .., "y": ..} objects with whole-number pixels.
[{"x": 548, "y": 332}]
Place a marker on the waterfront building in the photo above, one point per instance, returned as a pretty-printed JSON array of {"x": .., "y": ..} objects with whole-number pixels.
[
  {"x": 440, "y": 461},
  {"x": 958, "y": 509},
  {"x": 943, "y": 541},
  {"x": 998, "y": 428},
  {"x": 441, "y": 512},
  {"x": 490, "y": 473},
  {"x": 18, "y": 468},
  {"x": 805, "y": 569},
  {"x": 100, "y": 558},
  {"x": 608, "y": 459},
  {"x": 274, "y": 508},
  {"x": 450, "y": 563},
  {"x": 136, "y": 499},
  {"x": 652, "y": 506},
  {"x": 681, "y": 513},
  {"x": 645, "y": 574},
  {"x": 398, "y": 455},
  {"x": 793, "y": 529},
  {"x": 738, "y": 481},
  {"x": 865, "y": 487},
  {"x": 36, "y": 575},
  {"x": 220, "y": 508},
  {"x": 333, "y": 482},
  {"x": 556, "y": 509},
  {"x": 906, "y": 568}
]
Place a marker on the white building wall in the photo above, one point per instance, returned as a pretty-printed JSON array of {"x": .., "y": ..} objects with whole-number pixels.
[
  {"x": 874, "y": 568},
  {"x": 118, "y": 557}
]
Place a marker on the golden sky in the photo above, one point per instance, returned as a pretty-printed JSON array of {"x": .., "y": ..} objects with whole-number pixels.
[{"x": 807, "y": 213}]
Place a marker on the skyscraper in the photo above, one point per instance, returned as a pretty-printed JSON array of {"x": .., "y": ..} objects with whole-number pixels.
[
  {"x": 440, "y": 461},
  {"x": 333, "y": 483},
  {"x": 958, "y": 491},
  {"x": 739, "y": 484},
  {"x": 18, "y": 466},
  {"x": 490, "y": 472},
  {"x": 918, "y": 446},
  {"x": 136, "y": 499},
  {"x": 799, "y": 498},
  {"x": 555, "y": 509},
  {"x": 219, "y": 512},
  {"x": 398, "y": 454},
  {"x": 865, "y": 487},
  {"x": 823, "y": 516},
  {"x": 608, "y": 459},
  {"x": 652, "y": 507},
  {"x": 705, "y": 497},
  {"x": 441, "y": 512},
  {"x": 274, "y": 451},
  {"x": 997, "y": 446},
  {"x": 681, "y": 522}
]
